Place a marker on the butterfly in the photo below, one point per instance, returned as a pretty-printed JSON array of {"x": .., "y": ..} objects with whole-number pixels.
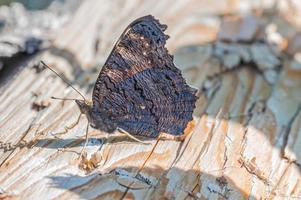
[{"x": 139, "y": 89}]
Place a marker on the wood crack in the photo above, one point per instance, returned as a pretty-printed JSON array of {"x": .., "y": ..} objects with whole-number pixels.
[{"x": 287, "y": 131}]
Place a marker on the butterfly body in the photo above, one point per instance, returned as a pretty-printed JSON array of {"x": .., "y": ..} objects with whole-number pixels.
[{"x": 139, "y": 89}]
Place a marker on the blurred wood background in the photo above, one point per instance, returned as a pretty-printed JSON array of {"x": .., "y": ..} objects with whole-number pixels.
[{"x": 244, "y": 56}]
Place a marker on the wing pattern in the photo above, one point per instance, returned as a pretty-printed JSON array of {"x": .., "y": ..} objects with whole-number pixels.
[{"x": 139, "y": 88}]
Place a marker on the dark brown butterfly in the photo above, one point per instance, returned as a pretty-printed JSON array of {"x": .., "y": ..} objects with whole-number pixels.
[{"x": 139, "y": 89}]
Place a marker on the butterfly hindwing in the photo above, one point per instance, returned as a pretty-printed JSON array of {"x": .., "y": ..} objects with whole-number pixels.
[{"x": 139, "y": 87}]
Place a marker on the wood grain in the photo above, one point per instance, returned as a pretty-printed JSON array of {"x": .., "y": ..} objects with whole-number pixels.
[{"x": 245, "y": 143}]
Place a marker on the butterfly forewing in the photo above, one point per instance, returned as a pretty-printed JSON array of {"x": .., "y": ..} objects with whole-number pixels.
[{"x": 139, "y": 87}]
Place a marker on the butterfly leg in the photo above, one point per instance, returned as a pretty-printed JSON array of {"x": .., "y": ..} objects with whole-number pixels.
[
  {"x": 131, "y": 136},
  {"x": 67, "y": 128},
  {"x": 163, "y": 136},
  {"x": 86, "y": 141},
  {"x": 148, "y": 157},
  {"x": 142, "y": 166}
]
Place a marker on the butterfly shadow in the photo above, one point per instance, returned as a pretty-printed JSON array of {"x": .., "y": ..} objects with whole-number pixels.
[
  {"x": 123, "y": 183},
  {"x": 62, "y": 143}
]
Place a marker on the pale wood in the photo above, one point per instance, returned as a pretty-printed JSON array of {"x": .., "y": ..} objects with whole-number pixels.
[{"x": 229, "y": 154}]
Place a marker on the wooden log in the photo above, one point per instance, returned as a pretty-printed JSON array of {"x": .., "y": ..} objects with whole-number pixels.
[{"x": 245, "y": 143}]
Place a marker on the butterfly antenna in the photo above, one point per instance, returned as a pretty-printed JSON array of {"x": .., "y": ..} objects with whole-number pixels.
[
  {"x": 58, "y": 98},
  {"x": 64, "y": 81}
]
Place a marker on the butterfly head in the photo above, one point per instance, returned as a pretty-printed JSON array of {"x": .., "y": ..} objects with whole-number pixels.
[
  {"x": 84, "y": 107},
  {"x": 96, "y": 120}
]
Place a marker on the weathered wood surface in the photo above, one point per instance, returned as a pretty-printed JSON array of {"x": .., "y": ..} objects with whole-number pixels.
[{"x": 245, "y": 144}]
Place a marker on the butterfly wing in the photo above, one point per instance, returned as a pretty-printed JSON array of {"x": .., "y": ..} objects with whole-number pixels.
[{"x": 139, "y": 87}]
